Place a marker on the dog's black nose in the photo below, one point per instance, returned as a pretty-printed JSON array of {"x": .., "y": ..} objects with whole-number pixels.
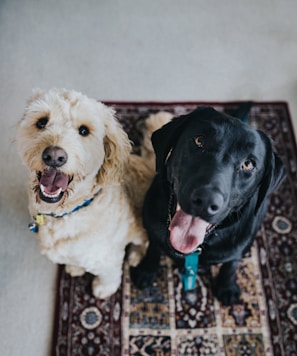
[
  {"x": 54, "y": 156},
  {"x": 207, "y": 202}
]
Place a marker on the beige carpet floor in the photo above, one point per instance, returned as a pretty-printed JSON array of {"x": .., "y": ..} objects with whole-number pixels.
[{"x": 120, "y": 50}]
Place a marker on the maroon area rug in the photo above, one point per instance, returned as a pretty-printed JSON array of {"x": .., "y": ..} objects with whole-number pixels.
[{"x": 166, "y": 320}]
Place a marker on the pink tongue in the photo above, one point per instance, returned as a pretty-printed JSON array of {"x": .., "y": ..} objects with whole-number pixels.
[
  {"x": 187, "y": 232},
  {"x": 52, "y": 180}
]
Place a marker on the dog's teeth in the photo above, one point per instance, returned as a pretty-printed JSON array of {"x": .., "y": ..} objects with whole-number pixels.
[{"x": 48, "y": 195}]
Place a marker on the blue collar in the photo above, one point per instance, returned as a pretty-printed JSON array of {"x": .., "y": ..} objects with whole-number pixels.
[
  {"x": 39, "y": 218},
  {"x": 86, "y": 203}
]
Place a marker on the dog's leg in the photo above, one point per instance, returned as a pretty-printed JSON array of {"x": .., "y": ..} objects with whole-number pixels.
[
  {"x": 145, "y": 273},
  {"x": 226, "y": 289},
  {"x": 74, "y": 271},
  {"x": 107, "y": 283},
  {"x": 135, "y": 253}
]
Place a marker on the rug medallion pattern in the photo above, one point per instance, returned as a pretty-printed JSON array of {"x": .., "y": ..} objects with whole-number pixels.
[{"x": 164, "y": 319}]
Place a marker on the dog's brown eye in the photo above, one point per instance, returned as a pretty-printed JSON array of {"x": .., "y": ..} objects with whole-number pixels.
[
  {"x": 200, "y": 141},
  {"x": 83, "y": 130},
  {"x": 41, "y": 123},
  {"x": 248, "y": 165}
]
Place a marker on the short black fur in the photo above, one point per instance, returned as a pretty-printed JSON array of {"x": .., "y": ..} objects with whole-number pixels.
[{"x": 219, "y": 169}]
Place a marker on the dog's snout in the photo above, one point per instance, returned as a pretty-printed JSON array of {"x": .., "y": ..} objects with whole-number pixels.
[
  {"x": 207, "y": 202},
  {"x": 54, "y": 156}
]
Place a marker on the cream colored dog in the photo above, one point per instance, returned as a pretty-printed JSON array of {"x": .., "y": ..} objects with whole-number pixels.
[{"x": 86, "y": 188}]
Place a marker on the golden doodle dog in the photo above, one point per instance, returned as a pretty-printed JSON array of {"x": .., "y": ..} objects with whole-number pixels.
[{"x": 86, "y": 188}]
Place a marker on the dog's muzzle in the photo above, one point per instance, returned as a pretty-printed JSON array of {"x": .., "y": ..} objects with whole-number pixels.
[{"x": 53, "y": 182}]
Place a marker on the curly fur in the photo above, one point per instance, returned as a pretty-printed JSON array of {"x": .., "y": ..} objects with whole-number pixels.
[{"x": 100, "y": 166}]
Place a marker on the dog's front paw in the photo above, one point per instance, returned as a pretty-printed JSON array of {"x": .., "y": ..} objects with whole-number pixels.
[
  {"x": 141, "y": 278},
  {"x": 227, "y": 294},
  {"x": 135, "y": 254},
  {"x": 101, "y": 290}
]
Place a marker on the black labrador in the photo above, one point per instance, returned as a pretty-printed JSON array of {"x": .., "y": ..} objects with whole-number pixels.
[{"x": 214, "y": 176}]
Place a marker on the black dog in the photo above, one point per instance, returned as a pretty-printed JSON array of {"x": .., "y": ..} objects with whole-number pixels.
[{"x": 214, "y": 177}]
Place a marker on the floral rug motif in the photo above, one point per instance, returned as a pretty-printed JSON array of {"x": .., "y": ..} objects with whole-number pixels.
[{"x": 164, "y": 319}]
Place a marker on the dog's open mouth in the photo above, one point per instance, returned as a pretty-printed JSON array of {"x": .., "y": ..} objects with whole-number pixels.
[
  {"x": 52, "y": 185},
  {"x": 187, "y": 232}
]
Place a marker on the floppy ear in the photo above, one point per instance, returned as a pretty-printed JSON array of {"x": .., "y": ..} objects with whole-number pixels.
[
  {"x": 273, "y": 175},
  {"x": 164, "y": 139},
  {"x": 117, "y": 149}
]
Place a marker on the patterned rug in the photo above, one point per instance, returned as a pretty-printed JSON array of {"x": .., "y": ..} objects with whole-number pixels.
[{"x": 166, "y": 320}]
